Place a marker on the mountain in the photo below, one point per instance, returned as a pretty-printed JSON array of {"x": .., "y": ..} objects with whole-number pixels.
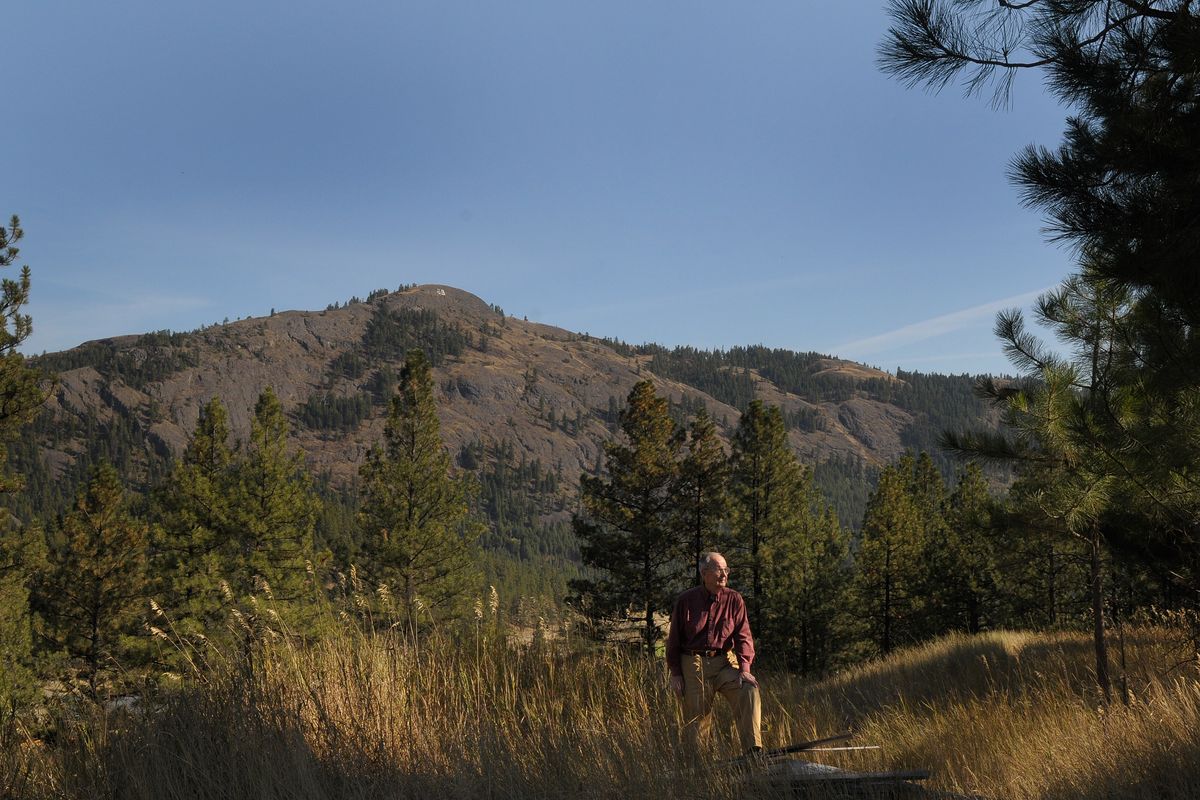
[{"x": 508, "y": 389}]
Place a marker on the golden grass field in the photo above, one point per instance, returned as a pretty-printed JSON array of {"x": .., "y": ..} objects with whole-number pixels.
[{"x": 1000, "y": 715}]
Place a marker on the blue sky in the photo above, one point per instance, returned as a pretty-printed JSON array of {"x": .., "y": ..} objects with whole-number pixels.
[{"x": 697, "y": 173}]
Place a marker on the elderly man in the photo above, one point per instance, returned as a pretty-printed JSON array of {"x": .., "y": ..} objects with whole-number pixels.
[{"x": 709, "y": 650}]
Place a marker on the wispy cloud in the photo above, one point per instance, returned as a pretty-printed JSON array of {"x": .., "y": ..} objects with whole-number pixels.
[{"x": 933, "y": 327}]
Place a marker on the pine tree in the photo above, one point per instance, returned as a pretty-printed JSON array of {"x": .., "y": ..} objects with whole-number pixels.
[
  {"x": 1041, "y": 570},
  {"x": 1122, "y": 190},
  {"x": 20, "y": 394},
  {"x": 22, "y": 558},
  {"x": 811, "y": 593},
  {"x": 928, "y": 492},
  {"x": 962, "y": 560},
  {"x": 627, "y": 525},
  {"x": 973, "y": 549},
  {"x": 790, "y": 543},
  {"x": 703, "y": 493},
  {"x": 888, "y": 569},
  {"x": 421, "y": 535},
  {"x": 1055, "y": 423},
  {"x": 198, "y": 544},
  {"x": 275, "y": 513},
  {"x": 20, "y": 397},
  {"x": 97, "y": 586},
  {"x": 767, "y": 485}
]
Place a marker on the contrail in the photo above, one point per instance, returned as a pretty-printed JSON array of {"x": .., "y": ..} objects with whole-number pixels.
[{"x": 933, "y": 327}]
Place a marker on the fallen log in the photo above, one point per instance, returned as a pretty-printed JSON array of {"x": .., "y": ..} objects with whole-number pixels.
[{"x": 783, "y": 768}]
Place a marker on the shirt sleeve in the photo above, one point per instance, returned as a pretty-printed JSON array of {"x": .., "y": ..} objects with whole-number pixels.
[
  {"x": 675, "y": 639},
  {"x": 743, "y": 642}
]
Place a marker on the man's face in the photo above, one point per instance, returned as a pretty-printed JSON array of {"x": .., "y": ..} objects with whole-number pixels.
[{"x": 715, "y": 575}]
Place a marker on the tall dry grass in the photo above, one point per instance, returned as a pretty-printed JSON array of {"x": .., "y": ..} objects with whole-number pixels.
[
  {"x": 1004, "y": 715},
  {"x": 371, "y": 716},
  {"x": 1017, "y": 715}
]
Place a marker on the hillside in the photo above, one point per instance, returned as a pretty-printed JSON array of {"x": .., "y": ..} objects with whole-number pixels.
[{"x": 539, "y": 394}]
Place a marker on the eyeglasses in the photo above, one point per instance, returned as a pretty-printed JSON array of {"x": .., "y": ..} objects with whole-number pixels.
[{"x": 718, "y": 571}]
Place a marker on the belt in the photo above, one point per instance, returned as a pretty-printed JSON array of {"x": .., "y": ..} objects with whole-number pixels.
[{"x": 707, "y": 653}]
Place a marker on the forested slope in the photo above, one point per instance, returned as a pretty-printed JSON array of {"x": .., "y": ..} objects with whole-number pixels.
[{"x": 524, "y": 406}]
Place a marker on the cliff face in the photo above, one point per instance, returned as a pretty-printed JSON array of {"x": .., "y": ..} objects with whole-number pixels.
[{"x": 547, "y": 390}]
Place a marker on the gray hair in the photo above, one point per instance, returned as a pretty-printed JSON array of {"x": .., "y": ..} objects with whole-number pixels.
[{"x": 706, "y": 559}]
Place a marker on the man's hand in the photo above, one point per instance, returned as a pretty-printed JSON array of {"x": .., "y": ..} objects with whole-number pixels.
[
  {"x": 677, "y": 685},
  {"x": 746, "y": 677}
]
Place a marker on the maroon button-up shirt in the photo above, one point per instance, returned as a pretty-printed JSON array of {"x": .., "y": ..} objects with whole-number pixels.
[{"x": 701, "y": 621}]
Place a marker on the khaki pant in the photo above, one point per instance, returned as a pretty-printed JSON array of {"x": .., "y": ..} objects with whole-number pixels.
[{"x": 702, "y": 677}]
